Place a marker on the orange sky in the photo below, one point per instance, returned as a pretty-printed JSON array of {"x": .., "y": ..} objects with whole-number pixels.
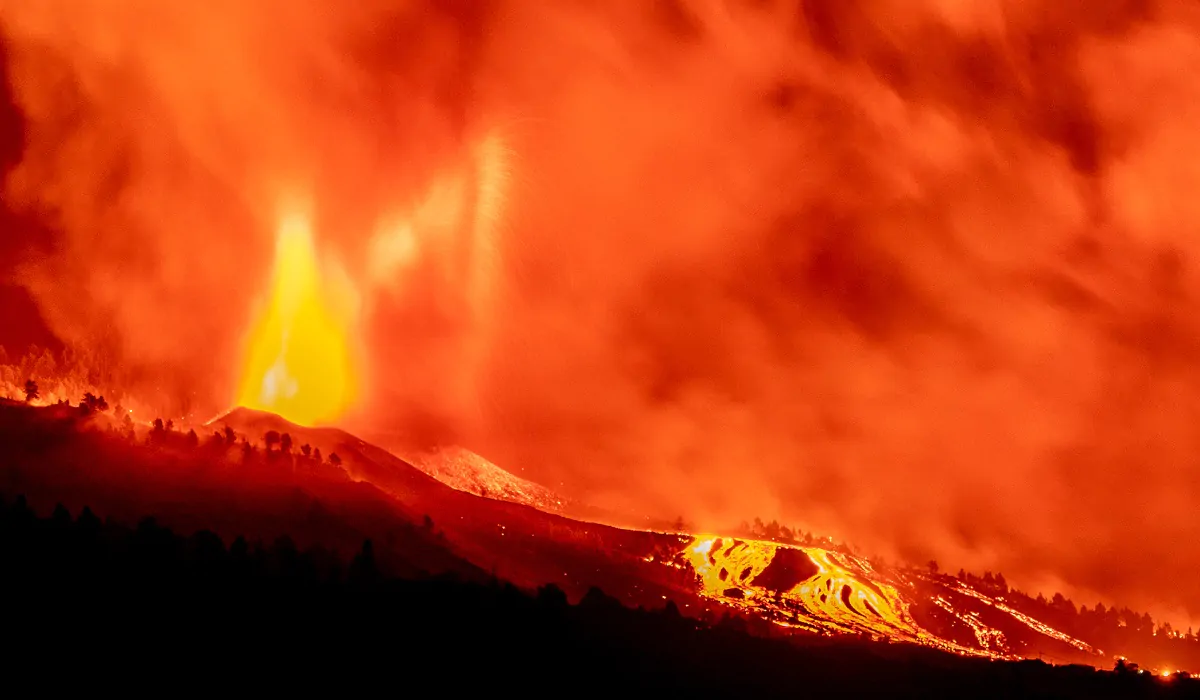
[{"x": 919, "y": 274}]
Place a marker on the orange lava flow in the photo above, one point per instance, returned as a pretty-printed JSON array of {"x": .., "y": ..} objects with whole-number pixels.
[
  {"x": 844, "y": 596},
  {"x": 299, "y": 360}
]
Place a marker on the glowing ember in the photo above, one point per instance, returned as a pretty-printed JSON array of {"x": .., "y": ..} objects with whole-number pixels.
[{"x": 299, "y": 360}]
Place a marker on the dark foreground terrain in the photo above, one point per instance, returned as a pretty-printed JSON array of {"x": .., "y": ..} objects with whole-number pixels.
[{"x": 146, "y": 605}]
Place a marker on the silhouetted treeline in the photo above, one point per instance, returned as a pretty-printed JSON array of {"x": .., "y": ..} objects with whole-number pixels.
[
  {"x": 1112, "y": 629},
  {"x": 80, "y": 592},
  {"x": 776, "y": 532}
]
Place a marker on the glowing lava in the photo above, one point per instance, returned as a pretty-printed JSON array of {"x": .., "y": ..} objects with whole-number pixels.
[
  {"x": 832, "y": 592},
  {"x": 299, "y": 359},
  {"x": 842, "y": 594}
]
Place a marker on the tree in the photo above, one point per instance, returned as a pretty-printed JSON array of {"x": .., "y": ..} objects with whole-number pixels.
[
  {"x": 170, "y": 425},
  {"x": 317, "y": 455},
  {"x": 272, "y": 438},
  {"x": 552, "y": 596},
  {"x": 597, "y": 600},
  {"x": 335, "y": 460},
  {"x": 306, "y": 450},
  {"x": 363, "y": 568},
  {"x": 230, "y": 436},
  {"x": 31, "y": 391},
  {"x": 158, "y": 425},
  {"x": 91, "y": 403},
  {"x": 285, "y": 443},
  {"x": 680, "y": 525},
  {"x": 193, "y": 440},
  {"x": 933, "y": 567}
]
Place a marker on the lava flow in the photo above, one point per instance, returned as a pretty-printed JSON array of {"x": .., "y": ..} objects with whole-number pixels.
[
  {"x": 838, "y": 597},
  {"x": 302, "y": 339},
  {"x": 831, "y": 592}
]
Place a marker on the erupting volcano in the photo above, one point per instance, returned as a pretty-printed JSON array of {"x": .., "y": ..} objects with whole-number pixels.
[
  {"x": 564, "y": 294},
  {"x": 300, "y": 356}
]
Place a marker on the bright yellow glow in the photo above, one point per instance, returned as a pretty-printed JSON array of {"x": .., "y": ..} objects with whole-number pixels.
[
  {"x": 299, "y": 361},
  {"x": 846, "y": 595}
]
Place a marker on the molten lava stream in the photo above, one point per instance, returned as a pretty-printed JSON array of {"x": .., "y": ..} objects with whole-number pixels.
[
  {"x": 841, "y": 597},
  {"x": 299, "y": 359}
]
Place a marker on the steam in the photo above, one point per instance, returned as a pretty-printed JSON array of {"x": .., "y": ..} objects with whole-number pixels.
[{"x": 919, "y": 275}]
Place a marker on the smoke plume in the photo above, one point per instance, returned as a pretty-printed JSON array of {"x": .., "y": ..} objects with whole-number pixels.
[{"x": 917, "y": 274}]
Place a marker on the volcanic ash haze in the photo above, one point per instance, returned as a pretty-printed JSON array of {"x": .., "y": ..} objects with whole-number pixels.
[{"x": 921, "y": 275}]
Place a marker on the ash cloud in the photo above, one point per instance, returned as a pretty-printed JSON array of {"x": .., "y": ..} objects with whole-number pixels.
[{"x": 918, "y": 274}]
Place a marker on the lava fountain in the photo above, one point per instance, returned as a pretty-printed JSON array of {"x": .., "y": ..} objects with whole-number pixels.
[{"x": 299, "y": 357}]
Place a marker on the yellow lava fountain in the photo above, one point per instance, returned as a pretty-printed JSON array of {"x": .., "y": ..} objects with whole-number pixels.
[{"x": 299, "y": 358}]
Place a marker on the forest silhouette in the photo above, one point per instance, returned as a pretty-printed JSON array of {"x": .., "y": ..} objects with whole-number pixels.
[
  {"x": 107, "y": 592},
  {"x": 312, "y": 564}
]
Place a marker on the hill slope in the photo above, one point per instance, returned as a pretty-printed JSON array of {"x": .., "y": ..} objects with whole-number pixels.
[{"x": 421, "y": 524}]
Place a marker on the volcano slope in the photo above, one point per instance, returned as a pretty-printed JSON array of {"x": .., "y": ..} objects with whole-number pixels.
[
  {"x": 171, "y": 608},
  {"x": 418, "y": 524}
]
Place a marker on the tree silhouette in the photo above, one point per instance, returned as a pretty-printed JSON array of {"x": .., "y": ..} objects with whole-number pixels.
[
  {"x": 31, "y": 391},
  {"x": 335, "y": 460},
  {"x": 285, "y": 443},
  {"x": 158, "y": 425},
  {"x": 552, "y": 596},
  {"x": 91, "y": 403},
  {"x": 170, "y": 425},
  {"x": 363, "y": 568},
  {"x": 230, "y": 436},
  {"x": 193, "y": 440},
  {"x": 306, "y": 450},
  {"x": 272, "y": 438},
  {"x": 933, "y": 567},
  {"x": 317, "y": 455}
]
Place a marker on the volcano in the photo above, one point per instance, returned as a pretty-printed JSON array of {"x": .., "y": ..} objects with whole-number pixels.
[{"x": 356, "y": 489}]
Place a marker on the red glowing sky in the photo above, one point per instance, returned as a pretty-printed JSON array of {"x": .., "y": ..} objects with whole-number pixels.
[{"x": 918, "y": 274}]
